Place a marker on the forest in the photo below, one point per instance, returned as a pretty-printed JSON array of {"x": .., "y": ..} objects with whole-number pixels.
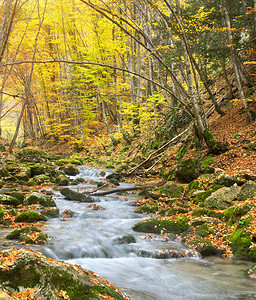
[{"x": 157, "y": 96}]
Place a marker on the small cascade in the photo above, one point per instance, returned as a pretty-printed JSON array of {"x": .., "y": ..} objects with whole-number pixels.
[{"x": 146, "y": 267}]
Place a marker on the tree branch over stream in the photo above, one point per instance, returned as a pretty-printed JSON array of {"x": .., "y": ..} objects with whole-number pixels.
[{"x": 134, "y": 188}]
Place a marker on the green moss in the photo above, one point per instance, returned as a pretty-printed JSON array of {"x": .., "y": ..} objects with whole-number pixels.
[
  {"x": 37, "y": 198},
  {"x": 187, "y": 170},
  {"x": 62, "y": 181},
  {"x": 19, "y": 195},
  {"x": 147, "y": 209},
  {"x": 200, "y": 197},
  {"x": 9, "y": 200},
  {"x": 200, "y": 212},
  {"x": 51, "y": 212},
  {"x": 30, "y": 217},
  {"x": 172, "y": 190},
  {"x": 205, "y": 247},
  {"x": 210, "y": 141},
  {"x": 233, "y": 214},
  {"x": 18, "y": 233},
  {"x": 70, "y": 170},
  {"x": 240, "y": 243},
  {"x": 203, "y": 230},
  {"x": 178, "y": 225},
  {"x": 206, "y": 165},
  {"x": 1, "y": 213}
]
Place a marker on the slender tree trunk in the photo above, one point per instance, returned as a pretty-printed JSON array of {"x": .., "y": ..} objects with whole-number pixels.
[
  {"x": 236, "y": 68},
  {"x": 27, "y": 95}
]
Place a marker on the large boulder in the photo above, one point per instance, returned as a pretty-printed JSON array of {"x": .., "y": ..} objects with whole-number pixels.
[
  {"x": 222, "y": 198},
  {"x": 248, "y": 190},
  {"x": 51, "y": 279},
  {"x": 75, "y": 196}
]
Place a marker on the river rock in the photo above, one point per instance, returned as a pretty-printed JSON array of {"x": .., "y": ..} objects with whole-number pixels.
[
  {"x": 229, "y": 180},
  {"x": 38, "y": 198},
  {"x": 222, "y": 198},
  {"x": 187, "y": 170},
  {"x": 75, "y": 196},
  {"x": 31, "y": 155},
  {"x": 23, "y": 269},
  {"x": 9, "y": 200},
  {"x": 70, "y": 170},
  {"x": 248, "y": 190},
  {"x": 52, "y": 212},
  {"x": 155, "y": 225},
  {"x": 28, "y": 234},
  {"x": 30, "y": 217}
]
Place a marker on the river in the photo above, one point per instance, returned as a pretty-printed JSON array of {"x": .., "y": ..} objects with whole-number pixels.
[{"x": 93, "y": 239}]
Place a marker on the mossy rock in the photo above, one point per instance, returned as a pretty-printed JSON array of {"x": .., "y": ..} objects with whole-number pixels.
[
  {"x": 28, "y": 234},
  {"x": 19, "y": 195},
  {"x": 207, "y": 212},
  {"x": 31, "y": 155},
  {"x": 229, "y": 180},
  {"x": 222, "y": 198},
  {"x": 40, "y": 179},
  {"x": 36, "y": 169},
  {"x": 62, "y": 180},
  {"x": 149, "y": 209},
  {"x": 70, "y": 170},
  {"x": 9, "y": 200},
  {"x": 202, "y": 196},
  {"x": 38, "y": 198},
  {"x": 248, "y": 191},
  {"x": 52, "y": 212},
  {"x": 46, "y": 276},
  {"x": 206, "y": 165},
  {"x": 187, "y": 170},
  {"x": 114, "y": 181},
  {"x": 205, "y": 247},
  {"x": 240, "y": 242},
  {"x": 75, "y": 196},
  {"x": 234, "y": 214},
  {"x": 172, "y": 190},
  {"x": 154, "y": 225},
  {"x": 203, "y": 230},
  {"x": 4, "y": 172},
  {"x": 30, "y": 217},
  {"x": 126, "y": 239}
]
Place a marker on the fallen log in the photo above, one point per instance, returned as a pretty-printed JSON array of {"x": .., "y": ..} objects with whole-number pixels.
[{"x": 134, "y": 188}]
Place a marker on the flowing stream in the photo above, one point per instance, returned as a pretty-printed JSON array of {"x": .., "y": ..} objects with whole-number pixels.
[{"x": 95, "y": 239}]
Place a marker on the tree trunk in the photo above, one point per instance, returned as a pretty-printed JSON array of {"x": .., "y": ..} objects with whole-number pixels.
[{"x": 250, "y": 114}]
